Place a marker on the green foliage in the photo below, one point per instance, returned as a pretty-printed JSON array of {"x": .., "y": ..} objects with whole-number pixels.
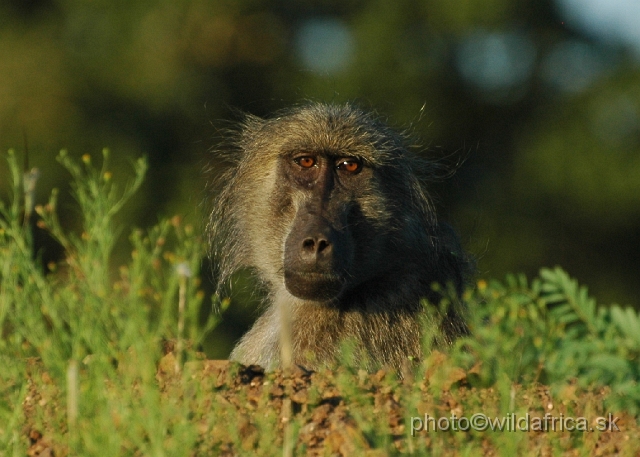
[
  {"x": 82, "y": 358},
  {"x": 551, "y": 331},
  {"x": 83, "y": 315}
]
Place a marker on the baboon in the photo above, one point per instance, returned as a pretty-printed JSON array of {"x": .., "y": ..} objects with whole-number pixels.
[{"x": 329, "y": 206}]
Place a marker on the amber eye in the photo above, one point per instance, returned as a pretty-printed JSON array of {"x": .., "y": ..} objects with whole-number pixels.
[
  {"x": 350, "y": 165},
  {"x": 306, "y": 161}
]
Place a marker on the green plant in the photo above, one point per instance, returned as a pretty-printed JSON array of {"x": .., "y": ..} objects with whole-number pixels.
[
  {"x": 84, "y": 371},
  {"x": 551, "y": 331},
  {"x": 86, "y": 320}
]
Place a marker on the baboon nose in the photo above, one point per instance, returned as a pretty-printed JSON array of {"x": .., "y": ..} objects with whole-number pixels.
[{"x": 316, "y": 247}]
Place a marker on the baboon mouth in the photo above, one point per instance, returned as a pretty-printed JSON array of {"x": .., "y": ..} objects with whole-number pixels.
[{"x": 313, "y": 285}]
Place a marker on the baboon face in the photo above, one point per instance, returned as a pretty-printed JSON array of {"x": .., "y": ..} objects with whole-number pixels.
[
  {"x": 319, "y": 247},
  {"x": 332, "y": 216}
]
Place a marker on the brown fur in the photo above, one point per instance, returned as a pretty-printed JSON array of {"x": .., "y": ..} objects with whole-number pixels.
[{"x": 386, "y": 248}]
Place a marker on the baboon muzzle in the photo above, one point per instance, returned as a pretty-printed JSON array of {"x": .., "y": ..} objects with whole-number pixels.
[{"x": 314, "y": 259}]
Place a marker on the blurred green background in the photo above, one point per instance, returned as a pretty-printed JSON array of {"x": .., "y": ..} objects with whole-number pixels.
[{"x": 542, "y": 97}]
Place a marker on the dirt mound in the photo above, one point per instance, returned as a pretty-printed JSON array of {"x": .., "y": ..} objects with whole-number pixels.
[{"x": 238, "y": 410}]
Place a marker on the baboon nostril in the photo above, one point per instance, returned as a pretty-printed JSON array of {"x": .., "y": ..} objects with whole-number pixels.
[
  {"x": 323, "y": 245},
  {"x": 309, "y": 245}
]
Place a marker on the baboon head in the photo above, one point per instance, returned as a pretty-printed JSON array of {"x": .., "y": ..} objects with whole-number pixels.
[
  {"x": 320, "y": 200},
  {"x": 329, "y": 206}
]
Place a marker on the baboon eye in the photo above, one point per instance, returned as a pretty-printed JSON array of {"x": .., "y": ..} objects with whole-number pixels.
[
  {"x": 350, "y": 165},
  {"x": 306, "y": 161}
]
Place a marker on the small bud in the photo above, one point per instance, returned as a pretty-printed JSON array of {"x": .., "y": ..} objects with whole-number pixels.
[
  {"x": 29, "y": 180},
  {"x": 183, "y": 270}
]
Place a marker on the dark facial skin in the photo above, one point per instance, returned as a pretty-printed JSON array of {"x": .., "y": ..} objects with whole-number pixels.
[{"x": 319, "y": 249}]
